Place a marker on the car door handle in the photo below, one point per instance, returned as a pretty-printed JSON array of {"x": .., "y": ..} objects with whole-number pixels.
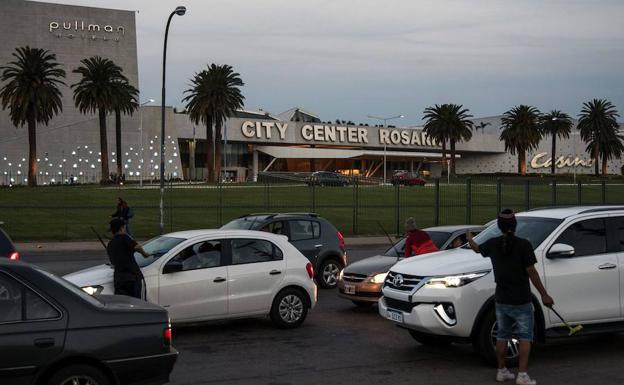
[
  {"x": 219, "y": 279},
  {"x": 275, "y": 272},
  {"x": 44, "y": 342},
  {"x": 318, "y": 246},
  {"x": 607, "y": 266}
]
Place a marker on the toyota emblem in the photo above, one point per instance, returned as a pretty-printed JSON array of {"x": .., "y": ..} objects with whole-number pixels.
[{"x": 397, "y": 281}]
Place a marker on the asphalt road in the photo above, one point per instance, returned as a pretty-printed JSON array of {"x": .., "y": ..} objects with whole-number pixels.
[{"x": 342, "y": 344}]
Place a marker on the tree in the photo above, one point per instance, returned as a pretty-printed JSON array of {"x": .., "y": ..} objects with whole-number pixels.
[
  {"x": 448, "y": 122},
  {"x": 125, "y": 101},
  {"x": 213, "y": 97},
  {"x": 96, "y": 92},
  {"x": 558, "y": 125},
  {"x": 521, "y": 132},
  {"x": 32, "y": 94},
  {"x": 598, "y": 126}
]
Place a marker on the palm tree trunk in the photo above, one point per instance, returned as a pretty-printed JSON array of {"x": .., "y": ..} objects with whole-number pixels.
[
  {"x": 604, "y": 166},
  {"x": 554, "y": 153},
  {"x": 444, "y": 169},
  {"x": 103, "y": 146},
  {"x": 522, "y": 162},
  {"x": 209, "y": 154},
  {"x": 218, "y": 148},
  {"x": 32, "y": 150},
  {"x": 119, "y": 159},
  {"x": 452, "y": 157}
]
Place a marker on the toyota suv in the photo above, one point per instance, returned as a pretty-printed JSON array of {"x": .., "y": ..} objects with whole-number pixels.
[{"x": 448, "y": 296}]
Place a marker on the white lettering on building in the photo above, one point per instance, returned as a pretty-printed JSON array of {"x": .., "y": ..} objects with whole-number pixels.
[
  {"x": 541, "y": 161},
  {"x": 87, "y": 29},
  {"x": 264, "y": 130}
]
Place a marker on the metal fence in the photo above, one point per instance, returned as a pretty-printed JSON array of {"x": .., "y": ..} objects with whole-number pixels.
[{"x": 363, "y": 207}]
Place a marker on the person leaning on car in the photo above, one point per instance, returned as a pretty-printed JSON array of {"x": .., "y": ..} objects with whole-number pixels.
[
  {"x": 127, "y": 277},
  {"x": 418, "y": 242},
  {"x": 513, "y": 262}
]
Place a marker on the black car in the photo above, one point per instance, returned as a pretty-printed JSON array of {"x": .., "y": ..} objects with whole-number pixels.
[
  {"x": 53, "y": 333},
  {"x": 313, "y": 236},
  {"x": 7, "y": 248},
  {"x": 326, "y": 178}
]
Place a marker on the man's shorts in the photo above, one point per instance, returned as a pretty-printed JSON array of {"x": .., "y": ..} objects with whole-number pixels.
[{"x": 515, "y": 321}]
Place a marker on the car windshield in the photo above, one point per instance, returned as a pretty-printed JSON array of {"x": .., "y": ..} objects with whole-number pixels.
[
  {"x": 438, "y": 237},
  {"x": 534, "y": 229},
  {"x": 158, "y": 246},
  {"x": 72, "y": 288},
  {"x": 246, "y": 223}
]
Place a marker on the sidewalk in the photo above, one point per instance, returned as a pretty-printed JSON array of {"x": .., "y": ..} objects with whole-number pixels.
[{"x": 87, "y": 246}]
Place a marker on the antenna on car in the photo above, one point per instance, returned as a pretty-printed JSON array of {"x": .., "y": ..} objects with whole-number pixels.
[
  {"x": 392, "y": 243},
  {"x": 98, "y": 236}
]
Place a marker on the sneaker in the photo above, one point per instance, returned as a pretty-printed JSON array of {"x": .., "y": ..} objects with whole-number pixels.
[
  {"x": 524, "y": 379},
  {"x": 504, "y": 375}
]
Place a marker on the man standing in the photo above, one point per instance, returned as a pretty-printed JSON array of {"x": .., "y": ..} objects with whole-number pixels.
[
  {"x": 418, "y": 242},
  {"x": 128, "y": 277},
  {"x": 513, "y": 261}
]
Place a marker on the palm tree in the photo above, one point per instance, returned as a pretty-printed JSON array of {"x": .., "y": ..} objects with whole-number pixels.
[
  {"x": 32, "y": 95},
  {"x": 213, "y": 97},
  {"x": 448, "y": 122},
  {"x": 598, "y": 125},
  {"x": 97, "y": 91},
  {"x": 559, "y": 125},
  {"x": 125, "y": 102},
  {"x": 521, "y": 132}
]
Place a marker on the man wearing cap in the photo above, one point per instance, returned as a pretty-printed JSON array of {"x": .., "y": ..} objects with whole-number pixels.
[
  {"x": 513, "y": 262},
  {"x": 128, "y": 277},
  {"x": 418, "y": 242}
]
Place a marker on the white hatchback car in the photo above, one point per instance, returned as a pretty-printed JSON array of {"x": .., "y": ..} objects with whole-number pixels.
[
  {"x": 448, "y": 296},
  {"x": 203, "y": 275}
]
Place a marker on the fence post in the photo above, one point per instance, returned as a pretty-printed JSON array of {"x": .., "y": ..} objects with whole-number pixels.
[
  {"x": 527, "y": 195},
  {"x": 604, "y": 192},
  {"x": 170, "y": 204},
  {"x": 266, "y": 196},
  {"x": 313, "y": 198},
  {"x": 579, "y": 192},
  {"x": 437, "y": 202},
  {"x": 220, "y": 203},
  {"x": 554, "y": 192},
  {"x": 468, "y": 200},
  {"x": 354, "y": 207},
  {"x": 499, "y": 195},
  {"x": 397, "y": 203}
]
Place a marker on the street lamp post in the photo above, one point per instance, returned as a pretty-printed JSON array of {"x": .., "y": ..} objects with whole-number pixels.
[
  {"x": 141, "y": 133},
  {"x": 385, "y": 120},
  {"x": 180, "y": 11}
]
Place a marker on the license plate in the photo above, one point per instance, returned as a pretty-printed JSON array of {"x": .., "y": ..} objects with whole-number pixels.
[
  {"x": 349, "y": 289},
  {"x": 394, "y": 316}
]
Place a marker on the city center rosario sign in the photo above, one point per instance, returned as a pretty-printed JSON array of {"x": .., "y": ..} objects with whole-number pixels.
[
  {"x": 306, "y": 133},
  {"x": 73, "y": 29}
]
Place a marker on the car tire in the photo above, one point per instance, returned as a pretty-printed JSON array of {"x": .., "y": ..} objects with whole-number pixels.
[
  {"x": 362, "y": 304},
  {"x": 289, "y": 309},
  {"x": 429, "y": 339},
  {"x": 327, "y": 276},
  {"x": 484, "y": 341},
  {"x": 83, "y": 373}
]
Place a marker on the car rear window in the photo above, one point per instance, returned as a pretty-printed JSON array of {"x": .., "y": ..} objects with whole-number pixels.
[
  {"x": 246, "y": 223},
  {"x": 6, "y": 245}
]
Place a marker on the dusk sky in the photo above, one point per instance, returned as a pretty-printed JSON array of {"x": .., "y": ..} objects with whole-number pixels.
[{"x": 347, "y": 59}]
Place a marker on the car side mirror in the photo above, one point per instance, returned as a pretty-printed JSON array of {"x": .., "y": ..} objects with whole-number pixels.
[
  {"x": 173, "y": 267},
  {"x": 560, "y": 250}
]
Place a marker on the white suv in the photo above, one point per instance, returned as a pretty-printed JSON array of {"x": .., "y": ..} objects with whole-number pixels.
[
  {"x": 203, "y": 275},
  {"x": 448, "y": 296}
]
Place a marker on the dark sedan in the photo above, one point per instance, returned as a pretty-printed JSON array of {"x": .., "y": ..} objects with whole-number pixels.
[
  {"x": 7, "y": 248},
  {"x": 361, "y": 281},
  {"x": 53, "y": 333},
  {"x": 326, "y": 178}
]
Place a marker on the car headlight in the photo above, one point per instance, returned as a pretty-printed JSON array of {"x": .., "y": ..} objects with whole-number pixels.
[
  {"x": 455, "y": 280},
  {"x": 93, "y": 290},
  {"x": 378, "y": 278}
]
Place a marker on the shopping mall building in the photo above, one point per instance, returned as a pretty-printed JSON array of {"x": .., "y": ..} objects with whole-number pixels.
[{"x": 257, "y": 141}]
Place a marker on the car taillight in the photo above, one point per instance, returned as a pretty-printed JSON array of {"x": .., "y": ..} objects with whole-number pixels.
[
  {"x": 14, "y": 256},
  {"x": 341, "y": 241},
  {"x": 167, "y": 336},
  {"x": 310, "y": 270}
]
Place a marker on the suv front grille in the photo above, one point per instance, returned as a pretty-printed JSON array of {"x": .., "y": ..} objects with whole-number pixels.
[
  {"x": 403, "y": 282},
  {"x": 352, "y": 277},
  {"x": 399, "y": 305}
]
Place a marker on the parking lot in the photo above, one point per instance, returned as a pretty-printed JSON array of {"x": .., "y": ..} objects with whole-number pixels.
[{"x": 342, "y": 344}]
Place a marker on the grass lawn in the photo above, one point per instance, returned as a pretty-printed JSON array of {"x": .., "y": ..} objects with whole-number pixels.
[{"x": 67, "y": 212}]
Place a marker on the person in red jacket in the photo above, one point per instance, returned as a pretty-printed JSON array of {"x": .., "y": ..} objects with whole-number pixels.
[{"x": 418, "y": 242}]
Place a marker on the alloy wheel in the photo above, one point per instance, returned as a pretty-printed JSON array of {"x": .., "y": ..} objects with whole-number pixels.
[
  {"x": 330, "y": 274},
  {"x": 513, "y": 346},
  {"x": 290, "y": 309},
  {"x": 79, "y": 380}
]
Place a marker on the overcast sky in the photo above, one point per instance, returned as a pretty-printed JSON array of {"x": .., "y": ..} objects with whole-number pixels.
[{"x": 350, "y": 58}]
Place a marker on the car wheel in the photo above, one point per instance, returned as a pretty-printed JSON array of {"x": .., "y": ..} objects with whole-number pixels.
[
  {"x": 289, "y": 309},
  {"x": 485, "y": 342},
  {"x": 429, "y": 339},
  {"x": 79, "y": 375},
  {"x": 362, "y": 304},
  {"x": 328, "y": 274}
]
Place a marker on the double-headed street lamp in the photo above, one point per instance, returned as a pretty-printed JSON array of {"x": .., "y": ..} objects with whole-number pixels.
[
  {"x": 141, "y": 133},
  {"x": 180, "y": 11},
  {"x": 385, "y": 120}
]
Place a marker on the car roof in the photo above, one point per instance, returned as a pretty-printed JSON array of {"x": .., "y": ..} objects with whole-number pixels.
[
  {"x": 565, "y": 212},
  {"x": 453, "y": 228},
  {"x": 265, "y": 216},
  {"x": 190, "y": 234}
]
